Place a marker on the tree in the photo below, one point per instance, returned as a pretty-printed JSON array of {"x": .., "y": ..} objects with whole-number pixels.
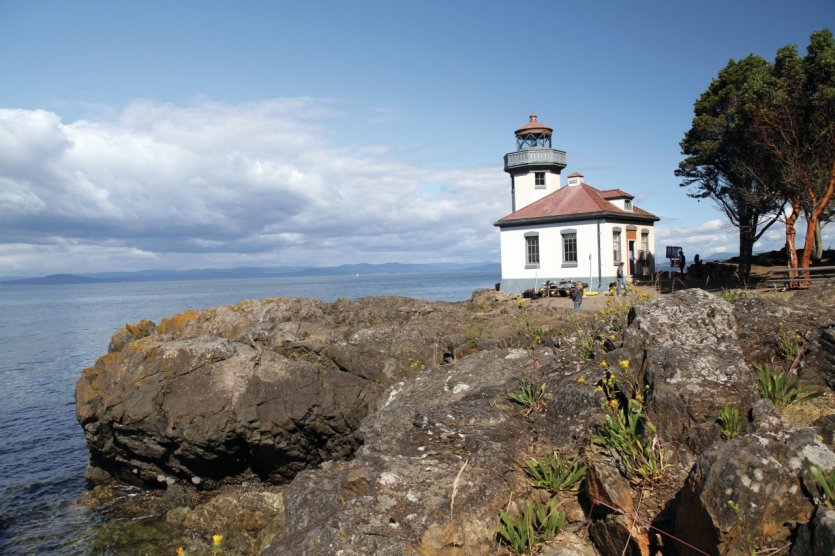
[
  {"x": 795, "y": 126},
  {"x": 763, "y": 136},
  {"x": 723, "y": 158}
]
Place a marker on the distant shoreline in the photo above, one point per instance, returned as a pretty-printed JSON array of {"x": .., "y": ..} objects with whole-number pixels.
[{"x": 353, "y": 270}]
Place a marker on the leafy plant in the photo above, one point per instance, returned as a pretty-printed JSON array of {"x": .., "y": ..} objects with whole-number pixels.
[
  {"x": 586, "y": 345},
  {"x": 729, "y": 419},
  {"x": 631, "y": 438},
  {"x": 474, "y": 332},
  {"x": 826, "y": 484},
  {"x": 783, "y": 388},
  {"x": 556, "y": 473},
  {"x": 530, "y": 396},
  {"x": 538, "y": 523},
  {"x": 733, "y": 295},
  {"x": 788, "y": 343}
]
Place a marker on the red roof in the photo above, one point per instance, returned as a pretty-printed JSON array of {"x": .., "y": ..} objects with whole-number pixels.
[
  {"x": 574, "y": 202},
  {"x": 535, "y": 127},
  {"x": 615, "y": 194}
]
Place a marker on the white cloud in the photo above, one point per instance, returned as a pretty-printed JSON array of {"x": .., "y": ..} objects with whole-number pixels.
[
  {"x": 720, "y": 237},
  {"x": 223, "y": 185}
]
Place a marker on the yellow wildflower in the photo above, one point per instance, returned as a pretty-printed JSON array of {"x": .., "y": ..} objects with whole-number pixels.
[
  {"x": 624, "y": 364},
  {"x": 604, "y": 364},
  {"x": 581, "y": 380},
  {"x": 599, "y": 389},
  {"x": 181, "y": 551},
  {"x": 639, "y": 397},
  {"x": 216, "y": 540},
  {"x": 613, "y": 404},
  {"x": 612, "y": 337}
]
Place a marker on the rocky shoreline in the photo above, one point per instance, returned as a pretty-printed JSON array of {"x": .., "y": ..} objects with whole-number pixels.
[{"x": 384, "y": 425}]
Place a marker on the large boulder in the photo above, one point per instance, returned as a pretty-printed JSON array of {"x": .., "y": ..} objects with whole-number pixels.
[
  {"x": 263, "y": 387},
  {"x": 388, "y": 423},
  {"x": 687, "y": 351},
  {"x": 439, "y": 460},
  {"x": 750, "y": 492}
]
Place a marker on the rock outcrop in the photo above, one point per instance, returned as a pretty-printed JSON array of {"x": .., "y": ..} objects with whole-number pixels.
[{"x": 388, "y": 422}]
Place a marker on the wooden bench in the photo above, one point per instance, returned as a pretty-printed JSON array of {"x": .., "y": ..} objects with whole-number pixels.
[{"x": 816, "y": 274}]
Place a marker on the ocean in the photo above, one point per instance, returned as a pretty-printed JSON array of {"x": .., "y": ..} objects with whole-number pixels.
[{"x": 49, "y": 334}]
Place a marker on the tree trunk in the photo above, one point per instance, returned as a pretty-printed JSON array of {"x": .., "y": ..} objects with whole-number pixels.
[
  {"x": 746, "y": 249},
  {"x": 791, "y": 251},
  {"x": 817, "y": 253},
  {"x": 817, "y": 211}
]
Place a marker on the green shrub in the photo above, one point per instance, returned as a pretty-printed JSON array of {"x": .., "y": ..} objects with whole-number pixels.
[
  {"x": 783, "y": 388},
  {"x": 788, "y": 343},
  {"x": 556, "y": 473},
  {"x": 631, "y": 439},
  {"x": 826, "y": 485},
  {"x": 729, "y": 419},
  {"x": 733, "y": 295},
  {"x": 530, "y": 396},
  {"x": 536, "y": 525}
]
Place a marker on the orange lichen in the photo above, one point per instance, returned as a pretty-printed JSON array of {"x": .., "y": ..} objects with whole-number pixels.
[
  {"x": 107, "y": 359},
  {"x": 176, "y": 323}
]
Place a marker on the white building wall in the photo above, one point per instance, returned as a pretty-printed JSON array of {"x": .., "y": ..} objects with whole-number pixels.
[
  {"x": 525, "y": 190},
  {"x": 551, "y": 265},
  {"x": 596, "y": 272}
]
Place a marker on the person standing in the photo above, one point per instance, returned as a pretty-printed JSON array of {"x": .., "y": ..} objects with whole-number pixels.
[
  {"x": 681, "y": 264},
  {"x": 697, "y": 261},
  {"x": 621, "y": 281},
  {"x": 577, "y": 295}
]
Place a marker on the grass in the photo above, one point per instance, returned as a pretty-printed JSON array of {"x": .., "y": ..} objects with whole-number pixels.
[
  {"x": 804, "y": 414},
  {"x": 536, "y": 525},
  {"x": 733, "y": 295},
  {"x": 783, "y": 388},
  {"x": 530, "y": 396},
  {"x": 630, "y": 437},
  {"x": 788, "y": 343},
  {"x": 826, "y": 485},
  {"x": 731, "y": 425},
  {"x": 556, "y": 473}
]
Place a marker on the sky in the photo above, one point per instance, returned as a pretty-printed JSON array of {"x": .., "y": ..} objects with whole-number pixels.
[{"x": 208, "y": 134}]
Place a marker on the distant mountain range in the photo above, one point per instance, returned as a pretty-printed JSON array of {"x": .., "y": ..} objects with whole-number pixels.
[{"x": 245, "y": 272}]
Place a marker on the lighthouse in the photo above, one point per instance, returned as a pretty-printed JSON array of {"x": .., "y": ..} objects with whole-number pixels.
[
  {"x": 567, "y": 233},
  {"x": 534, "y": 166}
]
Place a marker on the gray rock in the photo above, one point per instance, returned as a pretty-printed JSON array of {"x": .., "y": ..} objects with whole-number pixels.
[
  {"x": 817, "y": 538},
  {"x": 388, "y": 423},
  {"x": 750, "y": 489},
  {"x": 686, "y": 347}
]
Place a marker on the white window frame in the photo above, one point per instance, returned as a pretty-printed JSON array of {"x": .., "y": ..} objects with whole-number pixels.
[{"x": 617, "y": 245}]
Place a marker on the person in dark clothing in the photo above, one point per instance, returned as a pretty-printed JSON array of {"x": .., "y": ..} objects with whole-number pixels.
[
  {"x": 681, "y": 264},
  {"x": 621, "y": 281},
  {"x": 697, "y": 262}
]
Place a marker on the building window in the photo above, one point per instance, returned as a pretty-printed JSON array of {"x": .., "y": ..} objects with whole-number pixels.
[
  {"x": 627, "y": 204},
  {"x": 645, "y": 244},
  {"x": 532, "y": 250},
  {"x": 539, "y": 180},
  {"x": 569, "y": 248},
  {"x": 616, "y": 252}
]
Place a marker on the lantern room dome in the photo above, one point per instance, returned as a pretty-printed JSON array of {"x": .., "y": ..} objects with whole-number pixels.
[{"x": 534, "y": 127}]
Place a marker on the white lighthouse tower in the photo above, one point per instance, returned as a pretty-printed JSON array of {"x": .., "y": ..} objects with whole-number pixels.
[{"x": 534, "y": 167}]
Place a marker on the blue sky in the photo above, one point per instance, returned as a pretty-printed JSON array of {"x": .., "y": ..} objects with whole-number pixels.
[{"x": 197, "y": 134}]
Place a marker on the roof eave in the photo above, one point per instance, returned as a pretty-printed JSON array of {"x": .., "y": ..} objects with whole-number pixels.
[{"x": 572, "y": 217}]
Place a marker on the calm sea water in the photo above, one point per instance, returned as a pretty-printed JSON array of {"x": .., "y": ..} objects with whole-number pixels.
[{"x": 48, "y": 334}]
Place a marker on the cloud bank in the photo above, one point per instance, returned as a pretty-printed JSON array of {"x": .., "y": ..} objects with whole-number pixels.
[
  {"x": 213, "y": 185},
  {"x": 217, "y": 185}
]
